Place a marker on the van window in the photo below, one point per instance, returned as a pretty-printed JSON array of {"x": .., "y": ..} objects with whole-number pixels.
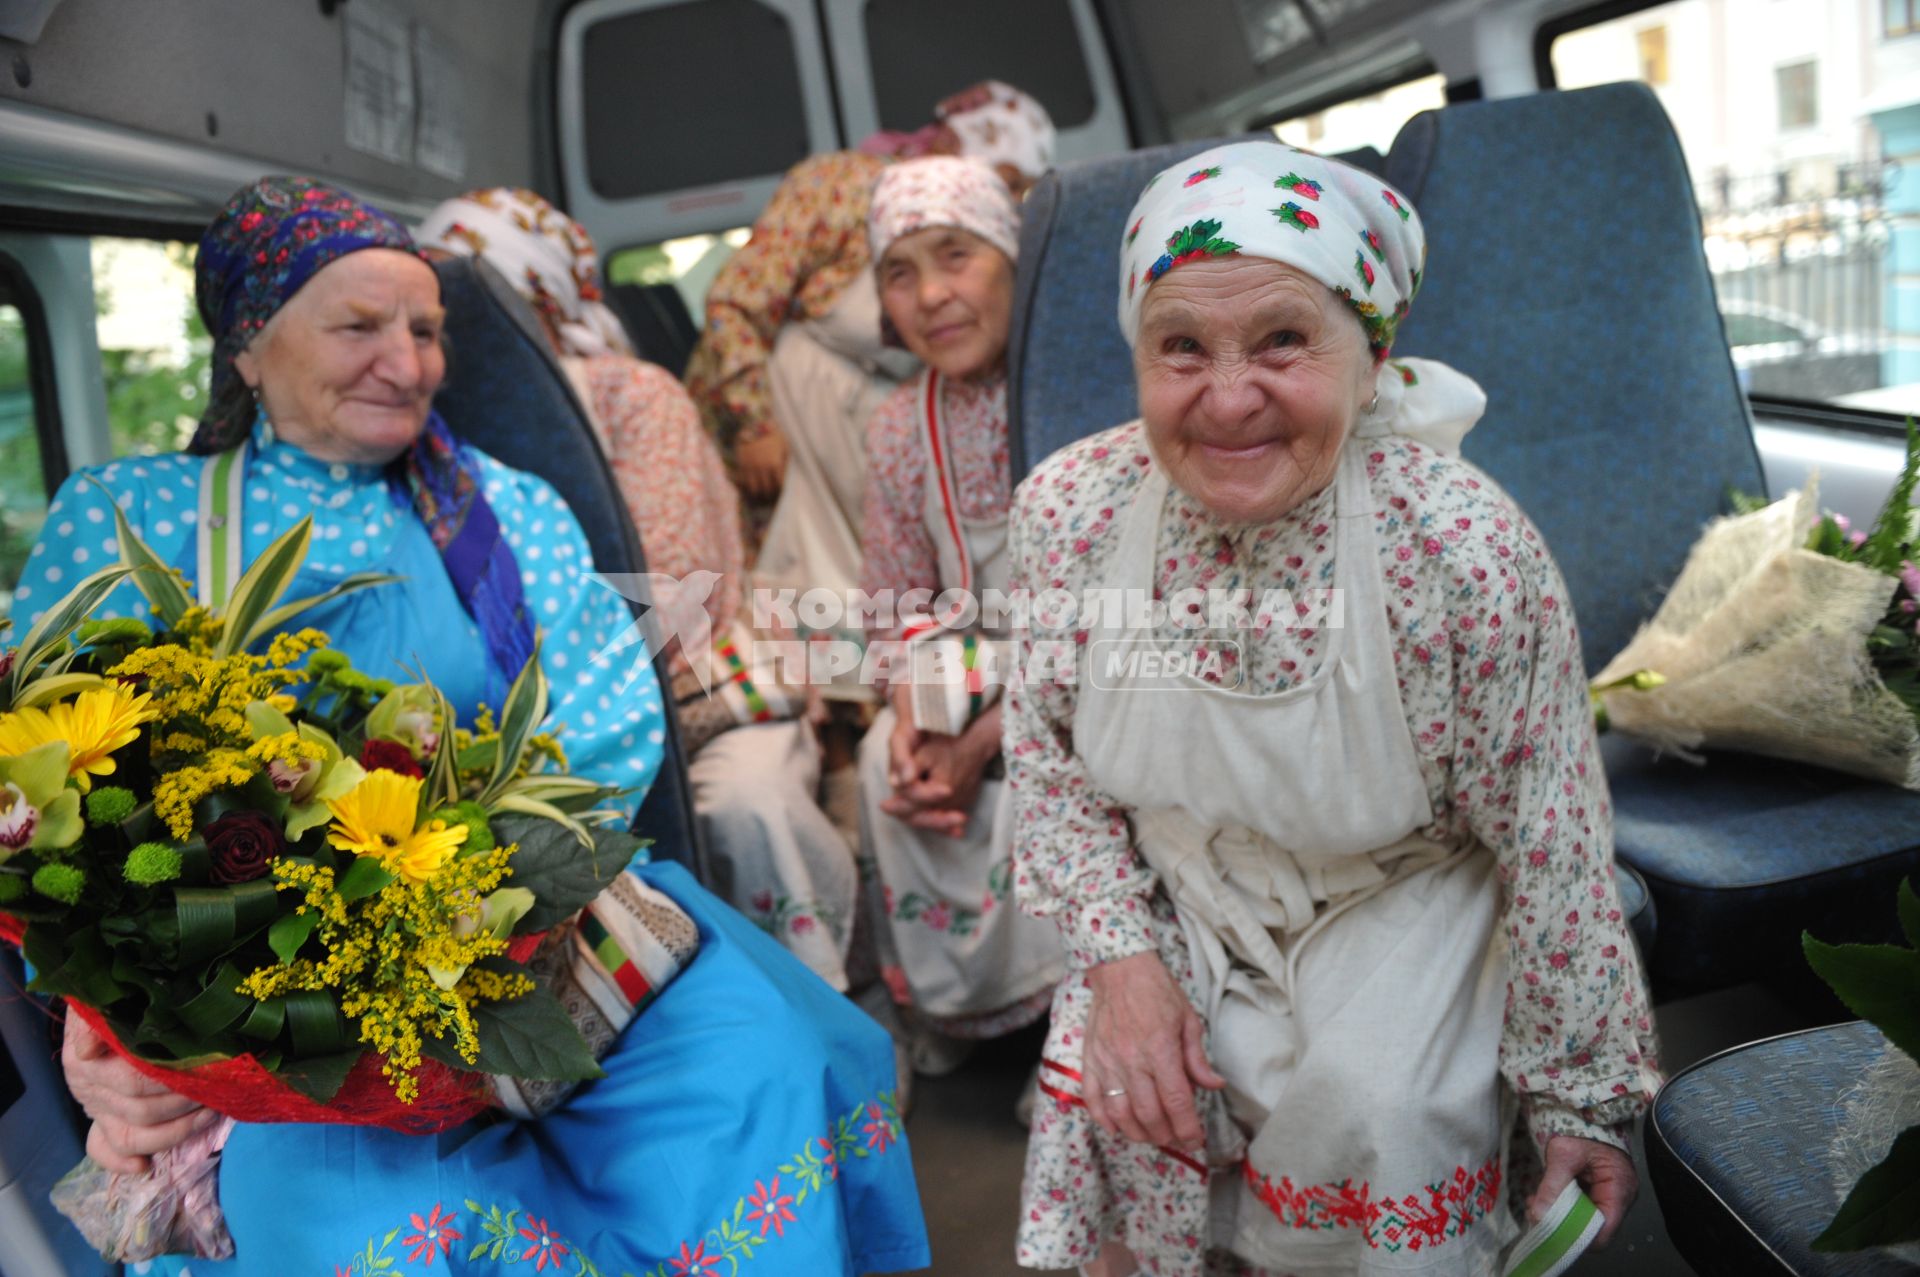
[
  {"x": 920, "y": 53},
  {"x": 689, "y": 263},
  {"x": 26, "y": 475},
  {"x": 153, "y": 348},
  {"x": 1787, "y": 117},
  {"x": 1372, "y": 120},
  {"x": 718, "y": 84}
]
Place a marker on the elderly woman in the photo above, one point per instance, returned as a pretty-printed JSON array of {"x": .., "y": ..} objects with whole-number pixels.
[
  {"x": 327, "y": 327},
  {"x": 792, "y": 364},
  {"x": 755, "y": 768},
  {"x": 1337, "y": 882},
  {"x": 937, "y": 816}
]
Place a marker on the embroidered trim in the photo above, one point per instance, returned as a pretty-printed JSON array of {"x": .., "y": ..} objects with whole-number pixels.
[
  {"x": 508, "y": 1237},
  {"x": 1415, "y": 1221},
  {"x": 939, "y": 914},
  {"x": 737, "y": 672}
]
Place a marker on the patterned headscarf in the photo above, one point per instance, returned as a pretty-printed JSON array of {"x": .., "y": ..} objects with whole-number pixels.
[
  {"x": 1341, "y": 225},
  {"x": 1336, "y": 223},
  {"x": 271, "y": 238},
  {"x": 991, "y": 121},
  {"x": 546, "y": 255},
  {"x": 942, "y": 191}
]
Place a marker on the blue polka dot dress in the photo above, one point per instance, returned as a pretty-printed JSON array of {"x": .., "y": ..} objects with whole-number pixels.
[{"x": 747, "y": 1120}]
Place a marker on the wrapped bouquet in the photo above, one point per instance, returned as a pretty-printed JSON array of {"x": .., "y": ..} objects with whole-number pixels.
[
  {"x": 294, "y": 892},
  {"x": 1787, "y": 633}
]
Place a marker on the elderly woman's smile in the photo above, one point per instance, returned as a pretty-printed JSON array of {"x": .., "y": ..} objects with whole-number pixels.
[{"x": 1251, "y": 375}]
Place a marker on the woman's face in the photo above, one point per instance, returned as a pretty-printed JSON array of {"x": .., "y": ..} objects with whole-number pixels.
[
  {"x": 1251, "y": 375},
  {"x": 347, "y": 369},
  {"x": 949, "y": 294}
]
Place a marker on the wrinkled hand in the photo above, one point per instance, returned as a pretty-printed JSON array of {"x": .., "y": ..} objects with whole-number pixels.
[
  {"x": 1144, "y": 1038},
  {"x": 761, "y": 464},
  {"x": 133, "y": 1116},
  {"x": 1604, "y": 1172},
  {"x": 936, "y": 779}
]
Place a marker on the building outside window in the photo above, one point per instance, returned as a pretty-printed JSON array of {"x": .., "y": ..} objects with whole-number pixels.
[{"x": 1798, "y": 89}]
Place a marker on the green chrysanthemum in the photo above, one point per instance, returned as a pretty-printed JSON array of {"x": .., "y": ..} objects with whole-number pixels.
[
  {"x": 59, "y": 882},
  {"x": 152, "y": 863},
  {"x": 109, "y": 805}
]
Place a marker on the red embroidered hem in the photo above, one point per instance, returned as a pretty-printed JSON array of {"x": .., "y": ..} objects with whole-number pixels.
[{"x": 1414, "y": 1221}]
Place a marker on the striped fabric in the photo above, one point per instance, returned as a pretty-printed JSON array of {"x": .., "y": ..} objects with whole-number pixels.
[{"x": 605, "y": 967}]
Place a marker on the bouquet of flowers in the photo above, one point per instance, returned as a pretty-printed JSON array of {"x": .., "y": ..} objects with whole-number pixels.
[
  {"x": 285, "y": 889},
  {"x": 1787, "y": 633}
]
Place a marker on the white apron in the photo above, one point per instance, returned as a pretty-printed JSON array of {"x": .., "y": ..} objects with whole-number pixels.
[
  {"x": 1346, "y": 964},
  {"x": 826, "y": 377},
  {"x": 951, "y": 923}
]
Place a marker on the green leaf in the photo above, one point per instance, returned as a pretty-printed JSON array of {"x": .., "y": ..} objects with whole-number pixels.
[
  {"x": 529, "y": 1037},
  {"x": 261, "y": 586},
  {"x": 1879, "y": 983},
  {"x": 315, "y": 1025},
  {"x": 363, "y": 878},
  {"x": 153, "y": 577},
  {"x": 511, "y": 802},
  {"x": 53, "y": 687},
  {"x": 213, "y": 919},
  {"x": 1887, "y": 542},
  {"x": 1884, "y": 1207},
  {"x": 287, "y": 934},
  {"x": 563, "y": 876},
  {"x": 55, "y": 624},
  {"x": 277, "y": 619},
  {"x": 522, "y": 715},
  {"x": 219, "y": 1006},
  {"x": 319, "y": 1077}
]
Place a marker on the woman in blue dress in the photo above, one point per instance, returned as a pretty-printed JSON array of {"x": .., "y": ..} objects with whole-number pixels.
[{"x": 747, "y": 1121}]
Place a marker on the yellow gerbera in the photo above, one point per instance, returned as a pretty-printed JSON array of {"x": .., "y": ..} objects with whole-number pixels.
[
  {"x": 376, "y": 818},
  {"x": 93, "y": 724}
]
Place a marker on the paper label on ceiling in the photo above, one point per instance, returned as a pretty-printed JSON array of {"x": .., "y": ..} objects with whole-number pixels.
[
  {"x": 440, "y": 139},
  {"x": 379, "y": 92}
]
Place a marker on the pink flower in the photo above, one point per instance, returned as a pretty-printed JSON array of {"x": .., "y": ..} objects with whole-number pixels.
[
  {"x": 769, "y": 1207},
  {"x": 432, "y": 1234},
  {"x": 938, "y": 916},
  {"x": 18, "y": 817},
  {"x": 800, "y": 925},
  {"x": 546, "y": 1248},
  {"x": 692, "y": 1263}
]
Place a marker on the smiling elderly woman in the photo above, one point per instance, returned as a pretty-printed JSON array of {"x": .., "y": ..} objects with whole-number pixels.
[
  {"x": 1340, "y": 893},
  {"x": 327, "y": 328}
]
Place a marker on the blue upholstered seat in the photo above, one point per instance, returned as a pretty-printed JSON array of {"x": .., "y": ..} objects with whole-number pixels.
[
  {"x": 1738, "y": 1150},
  {"x": 506, "y": 394},
  {"x": 1566, "y": 275}
]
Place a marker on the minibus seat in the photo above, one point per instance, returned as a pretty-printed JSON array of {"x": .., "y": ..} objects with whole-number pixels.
[
  {"x": 658, "y": 323},
  {"x": 1069, "y": 370},
  {"x": 1566, "y": 274},
  {"x": 1740, "y": 1152},
  {"x": 506, "y": 394}
]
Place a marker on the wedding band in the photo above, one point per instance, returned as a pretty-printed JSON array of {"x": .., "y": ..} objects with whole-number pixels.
[{"x": 1118, "y": 1090}]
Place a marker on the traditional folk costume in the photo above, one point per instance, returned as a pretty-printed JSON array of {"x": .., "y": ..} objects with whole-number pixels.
[
  {"x": 936, "y": 518},
  {"x": 794, "y": 1159},
  {"x": 1368, "y": 831},
  {"x": 755, "y": 770},
  {"x": 793, "y": 335}
]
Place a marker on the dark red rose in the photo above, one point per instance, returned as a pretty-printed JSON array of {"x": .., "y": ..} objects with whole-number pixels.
[
  {"x": 389, "y": 756},
  {"x": 243, "y": 844}
]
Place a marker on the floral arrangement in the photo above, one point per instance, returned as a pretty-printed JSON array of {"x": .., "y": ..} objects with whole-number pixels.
[
  {"x": 1881, "y": 984},
  {"x": 287, "y": 889},
  {"x": 1787, "y": 633}
]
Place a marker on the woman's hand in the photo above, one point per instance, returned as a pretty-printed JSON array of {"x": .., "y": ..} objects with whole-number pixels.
[
  {"x": 1604, "y": 1172},
  {"x": 761, "y": 464},
  {"x": 937, "y": 779},
  {"x": 133, "y": 1115},
  {"x": 1146, "y": 1042}
]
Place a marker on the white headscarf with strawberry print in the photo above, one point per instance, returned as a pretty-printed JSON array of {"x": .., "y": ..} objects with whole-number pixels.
[{"x": 1336, "y": 223}]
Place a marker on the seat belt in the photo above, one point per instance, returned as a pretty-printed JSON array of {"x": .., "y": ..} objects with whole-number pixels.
[{"x": 223, "y": 478}]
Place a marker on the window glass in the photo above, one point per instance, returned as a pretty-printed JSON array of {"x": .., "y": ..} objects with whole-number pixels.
[
  {"x": 690, "y": 95},
  {"x": 1901, "y": 17},
  {"x": 153, "y": 348},
  {"x": 689, "y": 264},
  {"x": 1798, "y": 172},
  {"x": 919, "y": 53},
  {"x": 1366, "y": 121},
  {"x": 23, "y": 489}
]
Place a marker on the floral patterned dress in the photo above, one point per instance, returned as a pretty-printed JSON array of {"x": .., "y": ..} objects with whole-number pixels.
[{"x": 1490, "y": 677}]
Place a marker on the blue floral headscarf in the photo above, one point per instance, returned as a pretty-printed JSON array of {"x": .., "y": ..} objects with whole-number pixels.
[{"x": 271, "y": 238}]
